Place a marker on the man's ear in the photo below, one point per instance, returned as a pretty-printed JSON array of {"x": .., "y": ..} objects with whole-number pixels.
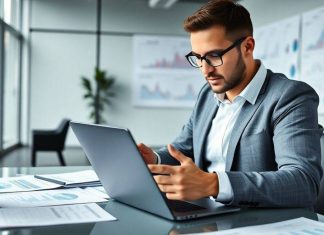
[{"x": 248, "y": 45}]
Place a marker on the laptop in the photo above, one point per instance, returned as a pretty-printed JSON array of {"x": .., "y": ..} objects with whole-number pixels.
[{"x": 125, "y": 176}]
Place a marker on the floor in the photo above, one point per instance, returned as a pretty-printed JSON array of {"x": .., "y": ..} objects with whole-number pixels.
[{"x": 21, "y": 157}]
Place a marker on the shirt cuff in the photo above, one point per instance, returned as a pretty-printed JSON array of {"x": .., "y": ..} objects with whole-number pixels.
[
  {"x": 225, "y": 193},
  {"x": 158, "y": 158}
]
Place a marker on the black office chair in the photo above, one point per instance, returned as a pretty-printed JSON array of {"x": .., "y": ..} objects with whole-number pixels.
[
  {"x": 50, "y": 140},
  {"x": 319, "y": 206}
]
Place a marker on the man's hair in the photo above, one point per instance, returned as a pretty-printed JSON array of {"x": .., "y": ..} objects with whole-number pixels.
[{"x": 232, "y": 16}]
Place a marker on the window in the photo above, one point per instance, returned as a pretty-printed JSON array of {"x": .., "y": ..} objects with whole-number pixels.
[
  {"x": 11, "y": 90},
  {"x": 10, "y": 54}
]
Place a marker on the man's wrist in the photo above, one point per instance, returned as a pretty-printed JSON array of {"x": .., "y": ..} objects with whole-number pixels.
[{"x": 213, "y": 185}]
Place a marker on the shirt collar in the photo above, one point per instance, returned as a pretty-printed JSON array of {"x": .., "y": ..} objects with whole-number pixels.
[{"x": 252, "y": 90}]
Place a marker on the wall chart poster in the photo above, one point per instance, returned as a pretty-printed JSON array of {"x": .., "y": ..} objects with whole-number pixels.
[
  {"x": 278, "y": 46},
  {"x": 312, "y": 56},
  {"x": 162, "y": 77}
]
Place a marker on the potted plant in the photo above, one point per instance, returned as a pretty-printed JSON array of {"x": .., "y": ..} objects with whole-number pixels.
[{"x": 98, "y": 94}]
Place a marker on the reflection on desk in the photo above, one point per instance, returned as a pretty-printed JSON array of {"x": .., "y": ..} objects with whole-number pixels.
[{"x": 134, "y": 221}]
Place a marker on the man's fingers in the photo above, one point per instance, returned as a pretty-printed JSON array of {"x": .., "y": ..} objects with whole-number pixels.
[
  {"x": 173, "y": 196},
  {"x": 167, "y": 188},
  {"x": 173, "y": 192},
  {"x": 163, "y": 179},
  {"x": 176, "y": 154},
  {"x": 162, "y": 169},
  {"x": 141, "y": 145},
  {"x": 143, "y": 148}
]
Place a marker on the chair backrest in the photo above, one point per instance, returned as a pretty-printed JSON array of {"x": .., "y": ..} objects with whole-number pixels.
[
  {"x": 319, "y": 207},
  {"x": 62, "y": 130}
]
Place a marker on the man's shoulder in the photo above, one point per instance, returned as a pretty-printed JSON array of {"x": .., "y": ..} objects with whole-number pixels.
[{"x": 279, "y": 83}]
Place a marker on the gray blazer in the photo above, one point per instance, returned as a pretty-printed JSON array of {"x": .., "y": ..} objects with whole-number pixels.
[{"x": 274, "y": 155}]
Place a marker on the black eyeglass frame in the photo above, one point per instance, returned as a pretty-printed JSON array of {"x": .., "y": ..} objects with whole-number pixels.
[{"x": 219, "y": 54}]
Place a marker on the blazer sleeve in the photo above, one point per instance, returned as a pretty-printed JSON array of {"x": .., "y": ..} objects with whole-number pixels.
[
  {"x": 296, "y": 143},
  {"x": 184, "y": 141}
]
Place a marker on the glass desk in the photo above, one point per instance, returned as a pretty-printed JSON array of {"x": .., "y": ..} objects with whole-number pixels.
[{"x": 134, "y": 221}]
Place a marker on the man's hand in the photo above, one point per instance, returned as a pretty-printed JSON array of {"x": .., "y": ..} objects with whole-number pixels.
[
  {"x": 184, "y": 182},
  {"x": 147, "y": 154}
]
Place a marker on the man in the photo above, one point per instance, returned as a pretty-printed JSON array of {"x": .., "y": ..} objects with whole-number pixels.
[{"x": 253, "y": 137}]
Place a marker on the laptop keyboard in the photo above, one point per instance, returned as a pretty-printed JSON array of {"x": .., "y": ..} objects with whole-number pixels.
[{"x": 181, "y": 206}]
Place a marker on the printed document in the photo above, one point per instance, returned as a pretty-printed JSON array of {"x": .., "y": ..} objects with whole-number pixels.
[
  {"x": 53, "y": 215},
  {"x": 299, "y": 226},
  {"x": 48, "y": 198},
  {"x": 73, "y": 179},
  {"x": 99, "y": 191},
  {"x": 24, "y": 183}
]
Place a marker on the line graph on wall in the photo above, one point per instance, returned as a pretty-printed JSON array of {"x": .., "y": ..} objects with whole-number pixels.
[{"x": 162, "y": 77}]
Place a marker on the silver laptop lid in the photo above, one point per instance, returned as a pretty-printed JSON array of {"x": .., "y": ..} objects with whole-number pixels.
[{"x": 121, "y": 170}]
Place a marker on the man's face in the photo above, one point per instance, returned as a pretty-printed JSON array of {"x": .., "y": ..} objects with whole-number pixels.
[{"x": 229, "y": 75}]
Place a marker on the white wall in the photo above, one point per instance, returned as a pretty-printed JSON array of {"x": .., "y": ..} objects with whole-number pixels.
[
  {"x": 58, "y": 60},
  {"x": 63, "y": 14},
  {"x": 265, "y": 12}
]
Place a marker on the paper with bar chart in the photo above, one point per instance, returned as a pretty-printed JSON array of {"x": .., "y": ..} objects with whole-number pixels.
[
  {"x": 312, "y": 55},
  {"x": 162, "y": 75},
  {"x": 278, "y": 46}
]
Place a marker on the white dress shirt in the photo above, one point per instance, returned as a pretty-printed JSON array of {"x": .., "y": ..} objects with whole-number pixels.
[
  {"x": 218, "y": 139},
  {"x": 217, "y": 142}
]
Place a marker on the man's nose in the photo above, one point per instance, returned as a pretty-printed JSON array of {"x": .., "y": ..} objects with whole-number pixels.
[{"x": 206, "y": 68}]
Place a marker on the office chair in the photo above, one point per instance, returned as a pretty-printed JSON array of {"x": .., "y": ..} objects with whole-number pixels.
[
  {"x": 50, "y": 140},
  {"x": 319, "y": 206}
]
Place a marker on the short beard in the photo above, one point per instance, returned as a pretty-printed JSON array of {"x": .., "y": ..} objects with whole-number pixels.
[{"x": 235, "y": 78}]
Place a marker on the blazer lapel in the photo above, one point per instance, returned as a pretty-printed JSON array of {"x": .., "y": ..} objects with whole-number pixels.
[
  {"x": 245, "y": 116},
  {"x": 205, "y": 128}
]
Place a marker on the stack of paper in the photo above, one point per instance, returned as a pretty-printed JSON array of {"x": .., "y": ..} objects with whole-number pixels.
[
  {"x": 37, "y": 200},
  {"x": 87, "y": 178}
]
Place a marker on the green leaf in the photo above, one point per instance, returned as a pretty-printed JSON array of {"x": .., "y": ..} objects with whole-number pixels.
[
  {"x": 87, "y": 96},
  {"x": 86, "y": 84}
]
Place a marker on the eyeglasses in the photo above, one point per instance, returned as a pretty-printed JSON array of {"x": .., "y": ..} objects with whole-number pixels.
[{"x": 213, "y": 58}]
